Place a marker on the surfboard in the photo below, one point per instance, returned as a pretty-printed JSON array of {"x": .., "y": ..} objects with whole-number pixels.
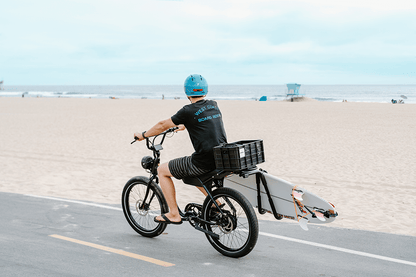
[{"x": 290, "y": 201}]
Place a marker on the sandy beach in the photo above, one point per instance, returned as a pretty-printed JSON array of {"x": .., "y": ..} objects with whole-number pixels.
[{"x": 359, "y": 156}]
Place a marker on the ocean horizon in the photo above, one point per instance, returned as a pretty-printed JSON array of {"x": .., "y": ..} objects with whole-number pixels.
[{"x": 328, "y": 93}]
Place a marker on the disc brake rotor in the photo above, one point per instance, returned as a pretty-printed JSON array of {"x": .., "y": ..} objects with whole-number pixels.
[
  {"x": 142, "y": 212},
  {"x": 228, "y": 224}
]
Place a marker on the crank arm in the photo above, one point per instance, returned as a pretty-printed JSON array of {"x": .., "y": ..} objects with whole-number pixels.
[
  {"x": 200, "y": 220},
  {"x": 215, "y": 236}
]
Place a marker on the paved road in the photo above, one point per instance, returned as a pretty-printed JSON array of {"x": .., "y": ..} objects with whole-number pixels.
[{"x": 51, "y": 237}]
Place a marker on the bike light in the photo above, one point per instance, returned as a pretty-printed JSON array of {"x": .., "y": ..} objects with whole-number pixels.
[{"x": 147, "y": 162}]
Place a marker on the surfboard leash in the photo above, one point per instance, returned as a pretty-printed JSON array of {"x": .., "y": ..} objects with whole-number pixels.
[{"x": 300, "y": 205}]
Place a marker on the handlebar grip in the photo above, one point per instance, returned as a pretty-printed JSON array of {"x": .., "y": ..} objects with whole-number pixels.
[{"x": 135, "y": 139}]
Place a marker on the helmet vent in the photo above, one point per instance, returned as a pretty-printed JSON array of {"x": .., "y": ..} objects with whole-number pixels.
[{"x": 195, "y": 85}]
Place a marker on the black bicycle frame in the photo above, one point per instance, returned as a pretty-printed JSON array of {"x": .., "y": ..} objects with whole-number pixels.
[{"x": 156, "y": 155}]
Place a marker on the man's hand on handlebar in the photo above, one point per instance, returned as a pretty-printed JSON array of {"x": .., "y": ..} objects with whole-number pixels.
[
  {"x": 140, "y": 137},
  {"x": 180, "y": 128}
]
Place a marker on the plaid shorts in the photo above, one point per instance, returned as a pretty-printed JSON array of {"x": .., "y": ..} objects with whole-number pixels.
[{"x": 183, "y": 167}]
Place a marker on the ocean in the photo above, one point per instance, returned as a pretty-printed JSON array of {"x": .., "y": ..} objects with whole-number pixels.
[{"x": 330, "y": 93}]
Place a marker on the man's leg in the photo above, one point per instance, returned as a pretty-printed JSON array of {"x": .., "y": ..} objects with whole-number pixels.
[
  {"x": 203, "y": 191},
  {"x": 206, "y": 194},
  {"x": 169, "y": 192}
]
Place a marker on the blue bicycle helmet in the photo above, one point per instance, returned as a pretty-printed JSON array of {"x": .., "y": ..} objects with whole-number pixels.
[{"x": 195, "y": 85}]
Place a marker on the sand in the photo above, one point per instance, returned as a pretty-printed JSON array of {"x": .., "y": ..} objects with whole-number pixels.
[{"x": 359, "y": 156}]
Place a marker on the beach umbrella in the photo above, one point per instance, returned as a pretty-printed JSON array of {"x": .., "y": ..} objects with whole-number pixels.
[{"x": 403, "y": 96}]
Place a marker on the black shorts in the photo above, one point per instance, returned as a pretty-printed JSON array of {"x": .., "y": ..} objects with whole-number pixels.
[{"x": 183, "y": 167}]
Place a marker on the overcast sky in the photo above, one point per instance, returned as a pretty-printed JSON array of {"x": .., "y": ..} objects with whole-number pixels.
[{"x": 149, "y": 42}]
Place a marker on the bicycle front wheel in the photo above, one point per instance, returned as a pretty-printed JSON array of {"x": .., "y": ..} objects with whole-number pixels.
[
  {"x": 139, "y": 216},
  {"x": 236, "y": 226}
]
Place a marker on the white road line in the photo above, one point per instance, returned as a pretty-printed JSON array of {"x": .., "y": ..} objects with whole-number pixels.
[
  {"x": 340, "y": 249},
  {"x": 345, "y": 250},
  {"x": 77, "y": 202}
]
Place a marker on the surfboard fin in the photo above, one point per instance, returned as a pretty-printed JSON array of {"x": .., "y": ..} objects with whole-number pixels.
[
  {"x": 319, "y": 215},
  {"x": 303, "y": 223},
  {"x": 297, "y": 194}
]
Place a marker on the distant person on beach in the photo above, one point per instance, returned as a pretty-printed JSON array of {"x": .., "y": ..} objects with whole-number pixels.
[{"x": 203, "y": 120}]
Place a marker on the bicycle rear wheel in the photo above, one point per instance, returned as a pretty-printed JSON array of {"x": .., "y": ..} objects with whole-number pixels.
[
  {"x": 237, "y": 226},
  {"x": 140, "y": 218}
]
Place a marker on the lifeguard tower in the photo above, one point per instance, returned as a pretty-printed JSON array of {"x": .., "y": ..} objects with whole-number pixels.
[{"x": 293, "y": 92}]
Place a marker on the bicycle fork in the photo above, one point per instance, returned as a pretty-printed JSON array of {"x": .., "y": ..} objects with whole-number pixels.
[{"x": 143, "y": 205}]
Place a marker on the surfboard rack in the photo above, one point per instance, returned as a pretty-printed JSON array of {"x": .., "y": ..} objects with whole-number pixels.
[
  {"x": 261, "y": 180},
  {"x": 296, "y": 194}
]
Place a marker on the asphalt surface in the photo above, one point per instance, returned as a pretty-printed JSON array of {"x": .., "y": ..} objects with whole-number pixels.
[{"x": 54, "y": 237}]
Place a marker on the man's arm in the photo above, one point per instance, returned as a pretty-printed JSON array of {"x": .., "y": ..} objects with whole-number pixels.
[{"x": 158, "y": 128}]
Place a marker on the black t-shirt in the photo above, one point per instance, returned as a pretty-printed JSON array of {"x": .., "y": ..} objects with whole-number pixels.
[{"x": 203, "y": 120}]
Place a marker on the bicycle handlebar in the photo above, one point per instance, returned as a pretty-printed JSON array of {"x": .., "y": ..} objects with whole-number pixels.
[{"x": 164, "y": 133}]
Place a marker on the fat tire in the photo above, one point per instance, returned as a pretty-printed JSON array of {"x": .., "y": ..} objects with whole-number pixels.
[
  {"x": 252, "y": 224},
  {"x": 140, "y": 183}
]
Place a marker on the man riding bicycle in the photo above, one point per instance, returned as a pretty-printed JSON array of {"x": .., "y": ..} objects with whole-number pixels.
[{"x": 203, "y": 120}]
